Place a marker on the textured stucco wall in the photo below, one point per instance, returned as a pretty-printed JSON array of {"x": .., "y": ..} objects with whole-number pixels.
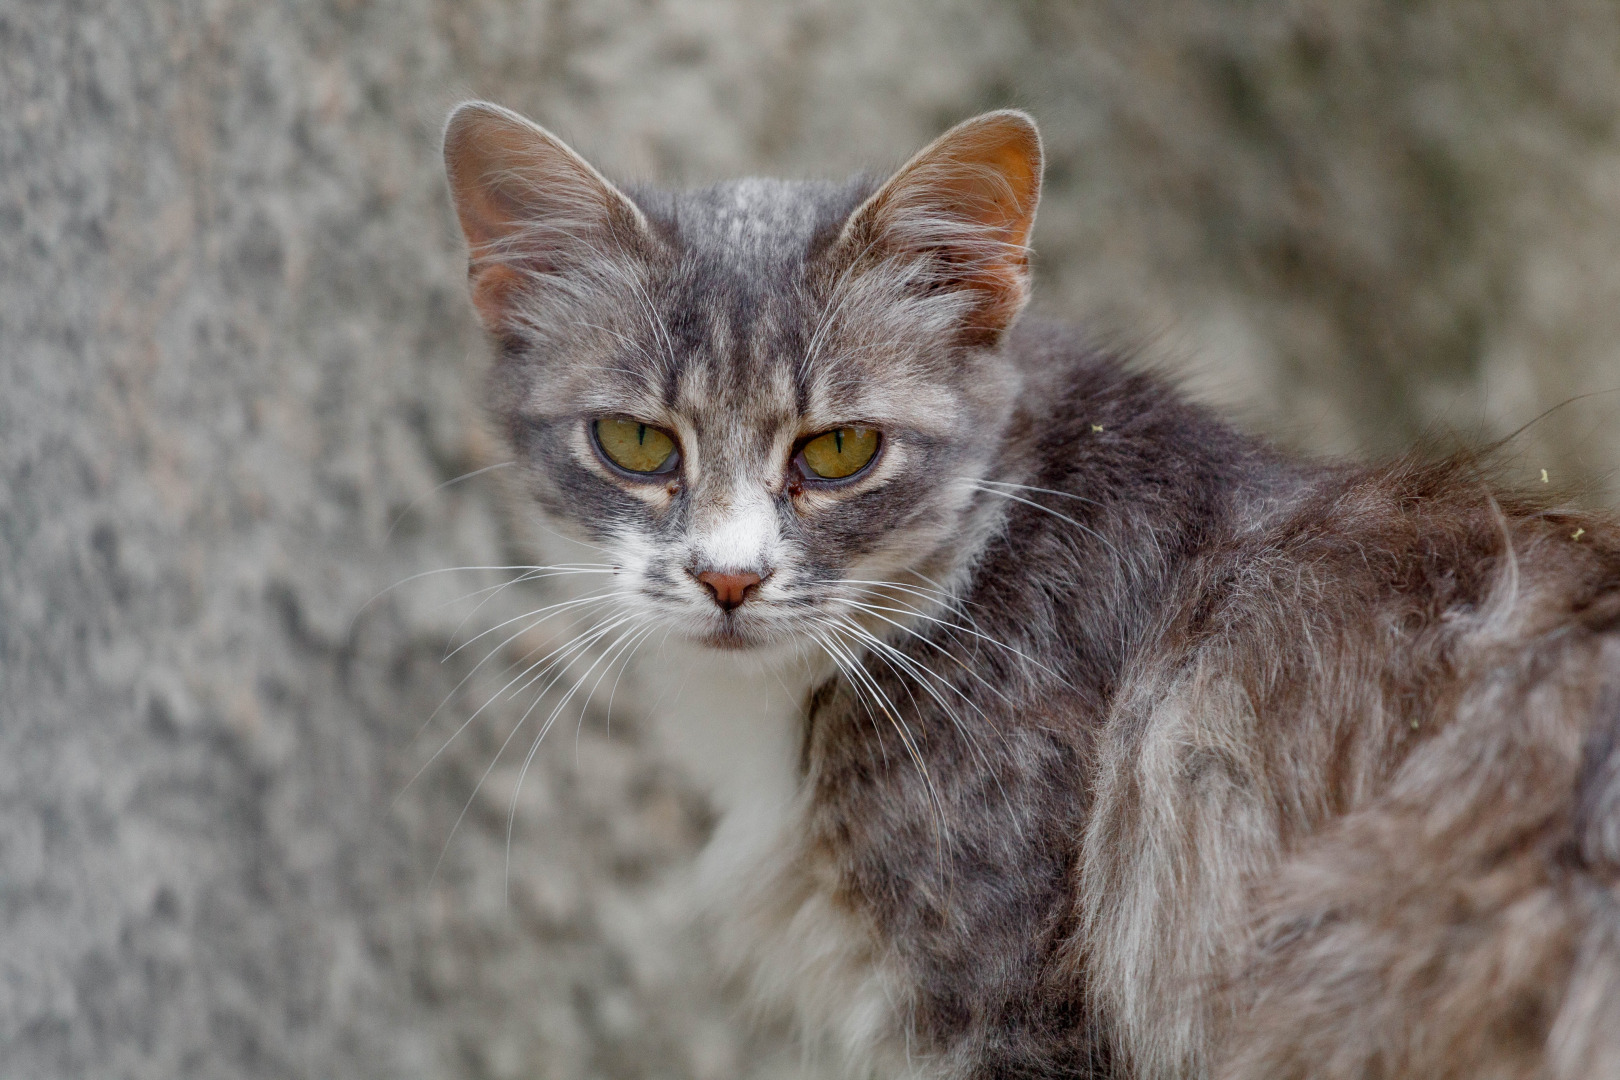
[{"x": 234, "y": 350}]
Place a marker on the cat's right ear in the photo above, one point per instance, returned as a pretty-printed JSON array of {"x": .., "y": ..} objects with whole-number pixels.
[{"x": 529, "y": 206}]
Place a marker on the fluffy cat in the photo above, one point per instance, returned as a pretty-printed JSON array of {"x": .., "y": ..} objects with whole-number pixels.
[{"x": 1057, "y": 729}]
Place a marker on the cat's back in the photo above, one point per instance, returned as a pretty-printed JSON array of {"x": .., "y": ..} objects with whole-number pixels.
[
  {"x": 1450, "y": 902},
  {"x": 1364, "y": 778}
]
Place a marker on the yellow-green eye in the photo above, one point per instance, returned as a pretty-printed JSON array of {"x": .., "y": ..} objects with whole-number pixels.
[
  {"x": 841, "y": 452},
  {"x": 636, "y": 447}
]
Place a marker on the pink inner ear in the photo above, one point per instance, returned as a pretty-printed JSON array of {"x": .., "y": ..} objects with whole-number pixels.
[
  {"x": 988, "y": 177},
  {"x": 524, "y": 199},
  {"x": 968, "y": 199}
]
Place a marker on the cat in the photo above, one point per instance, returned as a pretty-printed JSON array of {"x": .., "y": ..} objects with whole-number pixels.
[{"x": 1056, "y": 728}]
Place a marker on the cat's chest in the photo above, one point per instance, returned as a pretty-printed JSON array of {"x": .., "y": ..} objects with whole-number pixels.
[
  {"x": 773, "y": 900},
  {"x": 736, "y": 728}
]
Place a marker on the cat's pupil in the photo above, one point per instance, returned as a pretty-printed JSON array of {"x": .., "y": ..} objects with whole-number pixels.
[
  {"x": 839, "y": 453},
  {"x": 636, "y": 446}
]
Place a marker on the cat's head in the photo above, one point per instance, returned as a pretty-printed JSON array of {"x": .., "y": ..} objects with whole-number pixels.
[{"x": 758, "y": 399}]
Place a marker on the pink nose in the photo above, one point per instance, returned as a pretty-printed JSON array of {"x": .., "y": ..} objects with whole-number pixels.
[{"x": 729, "y": 589}]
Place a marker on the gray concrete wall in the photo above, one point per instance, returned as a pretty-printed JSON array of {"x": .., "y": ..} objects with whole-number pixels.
[{"x": 235, "y": 351}]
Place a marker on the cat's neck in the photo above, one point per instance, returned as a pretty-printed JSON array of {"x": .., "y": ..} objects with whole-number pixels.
[{"x": 1112, "y": 485}]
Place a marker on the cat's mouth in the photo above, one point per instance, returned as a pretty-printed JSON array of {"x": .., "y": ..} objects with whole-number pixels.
[{"x": 740, "y": 630}]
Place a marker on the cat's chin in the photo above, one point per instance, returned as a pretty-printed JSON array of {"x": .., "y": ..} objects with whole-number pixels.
[{"x": 730, "y": 639}]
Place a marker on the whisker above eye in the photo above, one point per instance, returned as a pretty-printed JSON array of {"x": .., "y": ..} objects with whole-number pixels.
[{"x": 841, "y": 296}]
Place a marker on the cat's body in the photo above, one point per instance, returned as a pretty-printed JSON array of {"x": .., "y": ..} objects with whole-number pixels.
[{"x": 1070, "y": 732}]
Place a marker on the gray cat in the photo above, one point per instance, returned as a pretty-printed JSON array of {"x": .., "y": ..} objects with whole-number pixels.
[{"x": 1056, "y": 728}]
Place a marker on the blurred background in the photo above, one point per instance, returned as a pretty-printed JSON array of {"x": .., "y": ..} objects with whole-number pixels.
[{"x": 235, "y": 352}]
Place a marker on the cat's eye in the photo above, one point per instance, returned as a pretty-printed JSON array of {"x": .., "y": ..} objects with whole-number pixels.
[
  {"x": 838, "y": 454},
  {"x": 636, "y": 447}
]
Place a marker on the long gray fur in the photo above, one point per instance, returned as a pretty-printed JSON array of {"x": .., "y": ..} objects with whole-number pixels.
[{"x": 1162, "y": 754}]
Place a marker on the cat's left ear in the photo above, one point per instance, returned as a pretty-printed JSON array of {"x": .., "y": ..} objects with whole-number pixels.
[{"x": 959, "y": 214}]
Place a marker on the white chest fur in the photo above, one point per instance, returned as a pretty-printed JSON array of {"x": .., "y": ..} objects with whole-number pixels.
[{"x": 736, "y": 725}]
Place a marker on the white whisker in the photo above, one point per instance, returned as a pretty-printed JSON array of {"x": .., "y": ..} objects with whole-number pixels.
[
  {"x": 1031, "y": 487},
  {"x": 534, "y": 748},
  {"x": 1088, "y": 530},
  {"x": 889, "y": 710},
  {"x": 821, "y": 642},
  {"x": 558, "y": 606},
  {"x": 496, "y": 590},
  {"x": 414, "y": 503},
  {"x": 580, "y": 643},
  {"x": 486, "y": 658},
  {"x": 443, "y": 570},
  {"x": 488, "y": 702},
  {"x": 875, "y": 609},
  {"x": 921, "y": 673}
]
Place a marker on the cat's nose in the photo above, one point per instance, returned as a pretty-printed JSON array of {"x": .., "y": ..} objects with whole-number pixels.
[{"x": 730, "y": 588}]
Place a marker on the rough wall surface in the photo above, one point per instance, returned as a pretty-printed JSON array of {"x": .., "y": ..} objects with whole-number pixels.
[{"x": 236, "y": 363}]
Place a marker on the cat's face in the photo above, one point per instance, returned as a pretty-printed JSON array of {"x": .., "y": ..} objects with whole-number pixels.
[{"x": 764, "y": 404}]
